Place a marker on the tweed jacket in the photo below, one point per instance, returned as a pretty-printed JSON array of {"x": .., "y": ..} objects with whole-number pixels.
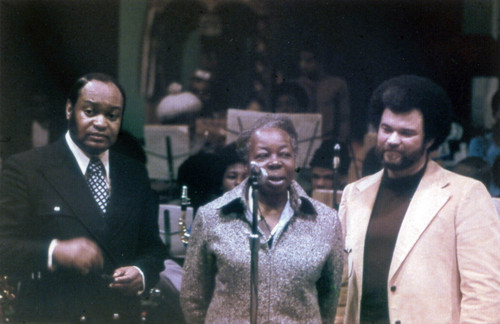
[
  {"x": 446, "y": 262},
  {"x": 43, "y": 195},
  {"x": 298, "y": 278}
]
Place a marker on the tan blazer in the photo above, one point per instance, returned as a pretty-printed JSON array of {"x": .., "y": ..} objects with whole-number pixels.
[{"x": 446, "y": 262}]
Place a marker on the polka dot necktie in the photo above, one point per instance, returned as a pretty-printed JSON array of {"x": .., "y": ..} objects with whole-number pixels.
[{"x": 96, "y": 179}]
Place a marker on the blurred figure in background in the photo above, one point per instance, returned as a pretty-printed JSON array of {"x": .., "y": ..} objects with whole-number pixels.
[
  {"x": 290, "y": 97},
  {"x": 328, "y": 95},
  {"x": 231, "y": 167},
  {"x": 487, "y": 146},
  {"x": 476, "y": 168},
  {"x": 198, "y": 172},
  {"x": 322, "y": 172}
]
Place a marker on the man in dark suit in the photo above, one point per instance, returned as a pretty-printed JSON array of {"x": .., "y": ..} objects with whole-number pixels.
[{"x": 80, "y": 255}]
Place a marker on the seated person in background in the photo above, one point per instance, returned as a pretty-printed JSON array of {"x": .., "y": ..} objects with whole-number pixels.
[
  {"x": 200, "y": 84},
  {"x": 290, "y": 97},
  {"x": 78, "y": 221},
  {"x": 231, "y": 167},
  {"x": 487, "y": 146},
  {"x": 371, "y": 163},
  {"x": 197, "y": 173},
  {"x": 476, "y": 168},
  {"x": 322, "y": 172}
]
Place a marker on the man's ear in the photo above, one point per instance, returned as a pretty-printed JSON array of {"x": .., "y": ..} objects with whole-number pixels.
[{"x": 69, "y": 109}]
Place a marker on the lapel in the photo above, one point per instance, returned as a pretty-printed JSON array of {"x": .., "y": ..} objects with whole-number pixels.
[
  {"x": 428, "y": 199},
  {"x": 362, "y": 202},
  {"x": 122, "y": 195},
  {"x": 63, "y": 173}
]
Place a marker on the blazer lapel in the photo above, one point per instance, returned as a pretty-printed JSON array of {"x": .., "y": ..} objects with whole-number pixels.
[
  {"x": 122, "y": 195},
  {"x": 357, "y": 222},
  {"x": 67, "y": 179},
  {"x": 426, "y": 203}
]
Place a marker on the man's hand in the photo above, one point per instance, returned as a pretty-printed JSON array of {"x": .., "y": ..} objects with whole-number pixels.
[
  {"x": 80, "y": 253},
  {"x": 128, "y": 280}
]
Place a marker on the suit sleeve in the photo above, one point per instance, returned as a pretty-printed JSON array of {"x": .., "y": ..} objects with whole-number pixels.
[
  {"x": 478, "y": 251},
  {"x": 21, "y": 249}
]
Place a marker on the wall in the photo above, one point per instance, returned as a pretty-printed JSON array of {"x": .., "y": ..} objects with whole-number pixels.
[{"x": 132, "y": 18}]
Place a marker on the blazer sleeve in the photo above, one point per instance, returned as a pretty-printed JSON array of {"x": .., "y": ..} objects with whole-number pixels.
[
  {"x": 20, "y": 251},
  {"x": 478, "y": 251}
]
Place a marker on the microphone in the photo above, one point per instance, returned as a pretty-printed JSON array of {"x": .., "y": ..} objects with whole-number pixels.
[
  {"x": 257, "y": 173},
  {"x": 336, "y": 156}
]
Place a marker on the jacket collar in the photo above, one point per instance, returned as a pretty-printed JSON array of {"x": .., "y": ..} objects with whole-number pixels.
[
  {"x": 235, "y": 201},
  {"x": 431, "y": 195},
  {"x": 429, "y": 198}
]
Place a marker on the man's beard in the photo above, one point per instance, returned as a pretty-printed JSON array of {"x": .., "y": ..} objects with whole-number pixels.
[{"x": 406, "y": 161}]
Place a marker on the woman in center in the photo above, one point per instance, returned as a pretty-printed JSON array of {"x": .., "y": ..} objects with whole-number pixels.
[{"x": 300, "y": 253}]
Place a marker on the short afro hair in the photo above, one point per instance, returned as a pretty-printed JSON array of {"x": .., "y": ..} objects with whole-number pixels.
[
  {"x": 278, "y": 121},
  {"x": 407, "y": 92}
]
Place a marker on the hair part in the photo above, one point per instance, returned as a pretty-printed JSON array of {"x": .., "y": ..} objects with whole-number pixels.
[
  {"x": 407, "y": 92},
  {"x": 278, "y": 121},
  {"x": 81, "y": 82}
]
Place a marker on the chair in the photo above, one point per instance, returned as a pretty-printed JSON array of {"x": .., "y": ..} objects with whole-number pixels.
[{"x": 168, "y": 222}]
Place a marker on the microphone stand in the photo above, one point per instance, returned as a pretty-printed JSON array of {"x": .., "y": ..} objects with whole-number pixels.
[
  {"x": 336, "y": 164},
  {"x": 254, "y": 251}
]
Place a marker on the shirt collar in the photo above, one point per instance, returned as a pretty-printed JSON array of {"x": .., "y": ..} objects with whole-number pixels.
[{"x": 82, "y": 158}]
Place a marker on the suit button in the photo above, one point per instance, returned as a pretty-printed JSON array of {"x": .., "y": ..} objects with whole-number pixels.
[{"x": 393, "y": 288}]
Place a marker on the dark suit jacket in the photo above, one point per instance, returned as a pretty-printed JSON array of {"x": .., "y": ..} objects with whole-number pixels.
[{"x": 43, "y": 195}]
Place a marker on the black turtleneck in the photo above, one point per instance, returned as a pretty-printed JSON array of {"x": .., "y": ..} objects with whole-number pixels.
[{"x": 393, "y": 199}]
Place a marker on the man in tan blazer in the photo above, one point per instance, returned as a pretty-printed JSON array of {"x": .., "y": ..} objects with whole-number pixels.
[{"x": 422, "y": 243}]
